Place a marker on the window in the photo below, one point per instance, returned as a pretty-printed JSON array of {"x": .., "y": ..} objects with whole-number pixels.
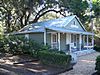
[
  {"x": 74, "y": 23},
  {"x": 54, "y": 37},
  {"x": 27, "y": 36},
  {"x": 54, "y": 43},
  {"x": 74, "y": 39}
]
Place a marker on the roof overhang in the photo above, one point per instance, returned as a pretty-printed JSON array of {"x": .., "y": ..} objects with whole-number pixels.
[
  {"x": 63, "y": 30},
  {"x": 31, "y": 31}
]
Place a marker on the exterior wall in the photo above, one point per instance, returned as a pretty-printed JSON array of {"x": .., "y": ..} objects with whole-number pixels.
[
  {"x": 38, "y": 37},
  {"x": 20, "y": 35},
  {"x": 76, "y": 27}
]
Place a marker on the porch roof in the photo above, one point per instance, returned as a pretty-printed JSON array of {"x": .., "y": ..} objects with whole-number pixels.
[
  {"x": 63, "y": 30},
  {"x": 57, "y": 29}
]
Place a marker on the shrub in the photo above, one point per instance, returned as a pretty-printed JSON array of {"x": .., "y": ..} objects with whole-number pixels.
[
  {"x": 54, "y": 59},
  {"x": 18, "y": 45},
  {"x": 56, "y": 51},
  {"x": 98, "y": 64},
  {"x": 97, "y": 48}
]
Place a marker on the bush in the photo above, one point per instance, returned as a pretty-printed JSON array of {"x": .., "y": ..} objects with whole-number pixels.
[
  {"x": 56, "y": 51},
  {"x": 98, "y": 64},
  {"x": 97, "y": 48},
  {"x": 54, "y": 59},
  {"x": 18, "y": 45}
]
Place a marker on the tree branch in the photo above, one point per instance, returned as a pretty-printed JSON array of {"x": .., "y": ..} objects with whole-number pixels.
[{"x": 36, "y": 18}]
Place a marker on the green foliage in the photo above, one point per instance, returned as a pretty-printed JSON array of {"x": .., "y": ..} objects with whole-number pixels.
[
  {"x": 98, "y": 64},
  {"x": 18, "y": 45},
  {"x": 15, "y": 14},
  {"x": 56, "y": 51},
  {"x": 76, "y": 7},
  {"x": 54, "y": 59},
  {"x": 97, "y": 48},
  {"x": 1, "y": 31},
  {"x": 96, "y": 8}
]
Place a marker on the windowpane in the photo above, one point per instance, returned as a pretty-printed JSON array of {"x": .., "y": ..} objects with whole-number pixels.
[{"x": 54, "y": 38}]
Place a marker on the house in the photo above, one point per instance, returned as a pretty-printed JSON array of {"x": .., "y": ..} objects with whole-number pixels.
[{"x": 67, "y": 34}]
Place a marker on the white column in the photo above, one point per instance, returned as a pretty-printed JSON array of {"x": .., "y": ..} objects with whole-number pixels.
[
  {"x": 66, "y": 39},
  {"x": 87, "y": 42},
  {"x": 27, "y": 36},
  {"x": 45, "y": 37},
  {"x": 92, "y": 40},
  {"x": 80, "y": 41},
  {"x": 70, "y": 41},
  {"x": 83, "y": 40},
  {"x": 59, "y": 41}
]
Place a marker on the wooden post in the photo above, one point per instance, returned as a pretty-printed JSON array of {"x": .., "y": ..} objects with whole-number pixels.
[
  {"x": 87, "y": 42},
  {"x": 80, "y": 41},
  {"x": 59, "y": 41},
  {"x": 70, "y": 42},
  {"x": 83, "y": 40},
  {"x": 66, "y": 39},
  {"x": 92, "y": 40},
  {"x": 45, "y": 37}
]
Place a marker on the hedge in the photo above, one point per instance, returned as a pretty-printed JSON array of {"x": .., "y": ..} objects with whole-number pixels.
[
  {"x": 98, "y": 64},
  {"x": 54, "y": 59},
  {"x": 97, "y": 48}
]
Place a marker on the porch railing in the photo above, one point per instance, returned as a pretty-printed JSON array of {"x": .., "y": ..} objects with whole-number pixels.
[
  {"x": 54, "y": 45},
  {"x": 74, "y": 48}
]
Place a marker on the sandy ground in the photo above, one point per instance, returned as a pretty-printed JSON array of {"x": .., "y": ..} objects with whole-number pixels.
[
  {"x": 25, "y": 66},
  {"x": 84, "y": 66}
]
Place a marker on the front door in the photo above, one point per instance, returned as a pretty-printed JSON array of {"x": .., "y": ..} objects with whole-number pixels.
[{"x": 54, "y": 41}]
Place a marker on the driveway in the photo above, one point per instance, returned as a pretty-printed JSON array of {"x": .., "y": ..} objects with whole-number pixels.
[{"x": 84, "y": 66}]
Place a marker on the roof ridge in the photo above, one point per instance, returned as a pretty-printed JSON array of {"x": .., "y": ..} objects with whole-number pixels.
[{"x": 49, "y": 21}]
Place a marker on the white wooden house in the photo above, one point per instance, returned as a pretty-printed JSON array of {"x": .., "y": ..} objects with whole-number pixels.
[{"x": 67, "y": 34}]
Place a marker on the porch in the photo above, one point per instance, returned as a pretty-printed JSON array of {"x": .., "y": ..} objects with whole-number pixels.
[{"x": 69, "y": 42}]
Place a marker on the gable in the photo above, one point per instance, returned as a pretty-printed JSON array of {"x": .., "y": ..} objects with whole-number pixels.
[{"x": 75, "y": 25}]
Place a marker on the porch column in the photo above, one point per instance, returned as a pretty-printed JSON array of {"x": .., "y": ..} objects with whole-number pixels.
[
  {"x": 92, "y": 40},
  {"x": 45, "y": 37},
  {"x": 87, "y": 41},
  {"x": 80, "y": 41},
  {"x": 66, "y": 39},
  {"x": 59, "y": 41},
  {"x": 70, "y": 42}
]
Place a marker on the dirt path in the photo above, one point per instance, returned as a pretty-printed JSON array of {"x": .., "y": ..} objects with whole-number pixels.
[{"x": 85, "y": 65}]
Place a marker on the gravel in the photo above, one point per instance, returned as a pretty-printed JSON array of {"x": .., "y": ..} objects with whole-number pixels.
[{"x": 84, "y": 66}]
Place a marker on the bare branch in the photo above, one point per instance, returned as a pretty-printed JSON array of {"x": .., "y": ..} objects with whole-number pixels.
[{"x": 37, "y": 18}]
